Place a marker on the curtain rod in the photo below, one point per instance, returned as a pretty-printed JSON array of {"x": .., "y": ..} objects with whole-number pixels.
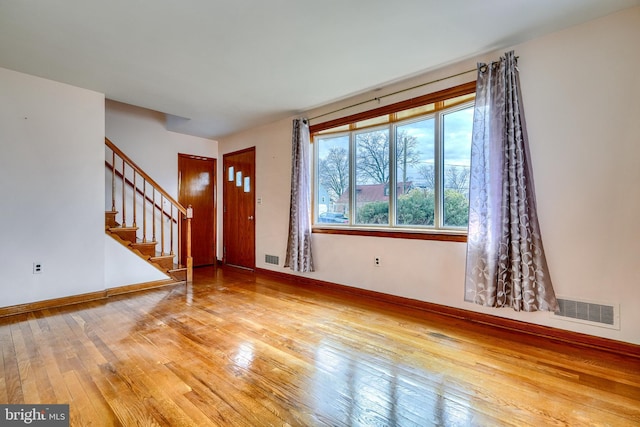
[
  {"x": 394, "y": 93},
  {"x": 401, "y": 91}
]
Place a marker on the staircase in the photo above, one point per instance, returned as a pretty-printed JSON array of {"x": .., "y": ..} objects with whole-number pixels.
[{"x": 145, "y": 218}]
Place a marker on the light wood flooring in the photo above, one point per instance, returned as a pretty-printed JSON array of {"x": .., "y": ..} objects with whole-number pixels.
[{"x": 236, "y": 349}]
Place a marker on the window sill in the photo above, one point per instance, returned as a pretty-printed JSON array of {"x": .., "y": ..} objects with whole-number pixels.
[{"x": 444, "y": 236}]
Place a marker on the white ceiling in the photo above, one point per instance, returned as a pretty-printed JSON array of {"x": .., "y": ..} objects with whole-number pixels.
[{"x": 219, "y": 66}]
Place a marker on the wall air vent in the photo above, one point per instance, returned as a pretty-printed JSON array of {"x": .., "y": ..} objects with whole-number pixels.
[
  {"x": 271, "y": 259},
  {"x": 592, "y": 313}
]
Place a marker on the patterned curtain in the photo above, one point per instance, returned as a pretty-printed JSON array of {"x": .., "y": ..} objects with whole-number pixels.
[
  {"x": 298, "y": 256},
  {"x": 506, "y": 265}
]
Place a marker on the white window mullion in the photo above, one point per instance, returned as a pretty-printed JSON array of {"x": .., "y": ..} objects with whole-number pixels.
[
  {"x": 352, "y": 178},
  {"x": 439, "y": 171},
  {"x": 393, "y": 179}
]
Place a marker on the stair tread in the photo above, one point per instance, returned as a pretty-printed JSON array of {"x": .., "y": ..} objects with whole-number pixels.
[{"x": 162, "y": 256}]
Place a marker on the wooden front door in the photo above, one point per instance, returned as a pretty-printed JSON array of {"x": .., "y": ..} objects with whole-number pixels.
[
  {"x": 239, "y": 191},
  {"x": 197, "y": 187}
]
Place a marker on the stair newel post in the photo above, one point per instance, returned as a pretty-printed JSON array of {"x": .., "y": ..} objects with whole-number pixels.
[
  {"x": 113, "y": 181},
  {"x": 135, "y": 190},
  {"x": 144, "y": 210},
  {"x": 124, "y": 188},
  {"x": 188, "y": 237},
  {"x": 162, "y": 225}
]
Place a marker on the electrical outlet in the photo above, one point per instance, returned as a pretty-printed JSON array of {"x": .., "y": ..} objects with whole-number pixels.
[
  {"x": 376, "y": 261},
  {"x": 37, "y": 268}
]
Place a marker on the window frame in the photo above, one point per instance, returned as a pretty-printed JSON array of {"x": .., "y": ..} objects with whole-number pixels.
[{"x": 393, "y": 231}]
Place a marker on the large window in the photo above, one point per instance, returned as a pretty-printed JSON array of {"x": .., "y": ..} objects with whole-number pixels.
[{"x": 402, "y": 168}]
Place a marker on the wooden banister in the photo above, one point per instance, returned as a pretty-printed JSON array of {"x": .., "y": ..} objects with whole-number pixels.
[
  {"x": 147, "y": 178},
  {"x": 142, "y": 193},
  {"x": 139, "y": 195}
]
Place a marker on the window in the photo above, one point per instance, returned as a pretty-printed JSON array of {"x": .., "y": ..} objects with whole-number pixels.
[{"x": 403, "y": 167}]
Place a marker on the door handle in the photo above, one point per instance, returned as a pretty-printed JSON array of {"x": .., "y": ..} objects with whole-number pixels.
[{"x": 251, "y": 218}]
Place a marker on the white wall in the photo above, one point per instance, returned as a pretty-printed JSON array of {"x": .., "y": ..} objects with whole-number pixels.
[
  {"x": 124, "y": 268},
  {"x": 273, "y": 181},
  {"x": 580, "y": 89},
  {"x": 142, "y": 135},
  {"x": 51, "y": 187}
]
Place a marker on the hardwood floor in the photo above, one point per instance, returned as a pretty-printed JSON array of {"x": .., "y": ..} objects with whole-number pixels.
[{"x": 234, "y": 349}]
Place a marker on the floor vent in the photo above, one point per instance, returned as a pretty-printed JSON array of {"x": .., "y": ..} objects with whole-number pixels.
[
  {"x": 588, "y": 312},
  {"x": 272, "y": 259}
]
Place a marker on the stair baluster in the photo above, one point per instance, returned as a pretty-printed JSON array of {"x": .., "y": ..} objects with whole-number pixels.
[
  {"x": 153, "y": 209},
  {"x": 113, "y": 181},
  {"x": 134, "y": 192},
  {"x": 124, "y": 204},
  {"x": 171, "y": 233},
  {"x": 161, "y": 226},
  {"x": 144, "y": 211}
]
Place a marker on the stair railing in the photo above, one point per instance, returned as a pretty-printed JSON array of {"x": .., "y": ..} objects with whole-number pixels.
[{"x": 166, "y": 213}]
